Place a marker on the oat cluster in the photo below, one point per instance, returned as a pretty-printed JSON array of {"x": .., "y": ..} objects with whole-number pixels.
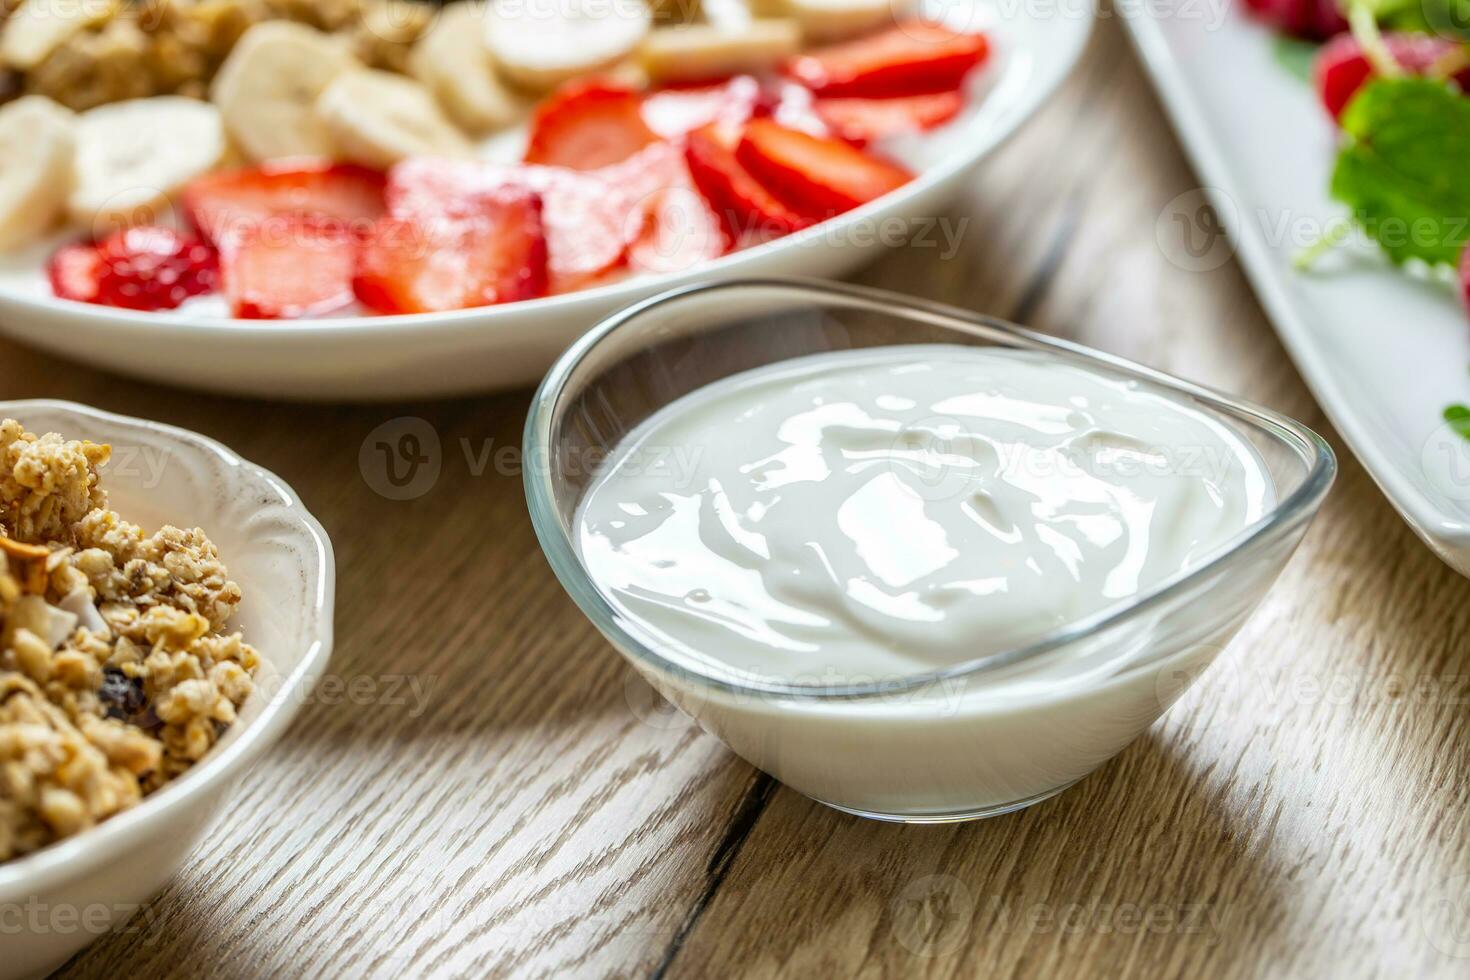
[
  {"x": 132, "y": 49},
  {"x": 116, "y": 671}
]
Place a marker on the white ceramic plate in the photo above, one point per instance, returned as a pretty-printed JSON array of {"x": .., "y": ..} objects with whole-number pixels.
[
  {"x": 1384, "y": 352},
  {"x": 282, "y": 560},
  {"x": 500, "y": 347}
]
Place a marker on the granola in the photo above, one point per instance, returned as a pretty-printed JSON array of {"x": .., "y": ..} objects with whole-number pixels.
[
  {"x": 139, "y": 48},
  {"x": 116, "y": 670}
]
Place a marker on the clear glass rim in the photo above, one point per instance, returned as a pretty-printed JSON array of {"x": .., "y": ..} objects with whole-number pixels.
[{"x": 556, "y": 541}]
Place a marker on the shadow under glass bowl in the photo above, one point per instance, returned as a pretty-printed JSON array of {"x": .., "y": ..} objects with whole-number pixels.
[{"x": 970, "y": 740}]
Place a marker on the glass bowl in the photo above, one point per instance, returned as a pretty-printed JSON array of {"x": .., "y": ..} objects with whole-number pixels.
[{"x": 993, "y": 734}]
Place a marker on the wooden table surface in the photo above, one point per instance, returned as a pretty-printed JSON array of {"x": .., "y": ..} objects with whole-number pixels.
[{"x": 529, "y": 810}]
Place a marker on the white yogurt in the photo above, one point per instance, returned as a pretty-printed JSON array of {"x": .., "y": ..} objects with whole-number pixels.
[
  {"x": 905, "y": 509},
  {"x": 869, "y": 515}
]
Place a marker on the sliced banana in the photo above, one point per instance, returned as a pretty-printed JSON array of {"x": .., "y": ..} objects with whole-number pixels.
[
  {"x": 38, "y": 27},
  {"x": 686, "y": 54},
  {"x": 37, "y": 144},
  {"x": 539, "y": 44},
  {"x": 831, "y": 20},
  {"x": 133, "y": 156},
  {"x": 268, "y": 86},
  {"x": 451, "y": 60},
  {"x": 378, "y": 118}
]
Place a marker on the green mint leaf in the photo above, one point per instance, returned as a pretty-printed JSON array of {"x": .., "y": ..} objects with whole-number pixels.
[
  {"x": 1445, "y": 18},
  {"x": 1403, "y": 168},
  {"x": 1458, "y": 416}
]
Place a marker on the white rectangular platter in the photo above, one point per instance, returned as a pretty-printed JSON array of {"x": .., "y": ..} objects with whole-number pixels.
[{"x": 1384, "y": 352}]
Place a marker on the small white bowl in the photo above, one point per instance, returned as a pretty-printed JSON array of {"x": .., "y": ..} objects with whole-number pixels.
[{"x": 59, "y": 899}]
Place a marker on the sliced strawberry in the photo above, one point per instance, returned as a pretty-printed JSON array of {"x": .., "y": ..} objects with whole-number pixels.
[
  {"x": 674, "y": 112},
  {"x": 676, "y": 230},
  {"x": 913, "y": 58},
  {"x": 1341, "y": 67},
  {"x": 677, "y": 111},
  {"x": 652, "y": 169},
  {"x": 75, "y": 271},
  {"x": 643, "y": 209},
  {"x": 584, "y": 226},
  {"x": 219, "y": 205},
  {"x": 583, "y": 217},
  {"x": 497, "y": 254},
  {"x": 289, "y": 267},
  {"x": 861, "y": 121},
  {"x": 815, "y": 176},
  {"x": 585, "y": 125},
  {"x": 793, "y": 106},
  {"x": 667, "y": 224},
  {"x": 745, "y": 207}
]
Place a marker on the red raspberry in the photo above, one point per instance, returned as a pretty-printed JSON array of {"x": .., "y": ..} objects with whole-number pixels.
[
  {"x": 153, "y": 268},
  {"x": 1342, "y": 68},
  {"x": 1465, "y": 278},
  {"x": 74, "y": 271},
  {"x": 1315, "y": 20}
]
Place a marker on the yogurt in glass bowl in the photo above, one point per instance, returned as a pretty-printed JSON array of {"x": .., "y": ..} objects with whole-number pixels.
[{"x": 918, "y": 564}]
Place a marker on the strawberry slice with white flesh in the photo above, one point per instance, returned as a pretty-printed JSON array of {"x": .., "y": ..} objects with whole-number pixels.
[
  {"x": 862, "y": 121},
  {"x": 582, "y": 218},
  {"x": 815, "y": 176},
  {"x": 220, "y": 205},
  {"x": 491, "y": 250},
  {"x": 741, "y": 201},
  {"x": 668, "y": 224},
  {"x": 587, "y": 125},
  {"x": 288, "y": 267},
  {"x": 912, "y": 58}
]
